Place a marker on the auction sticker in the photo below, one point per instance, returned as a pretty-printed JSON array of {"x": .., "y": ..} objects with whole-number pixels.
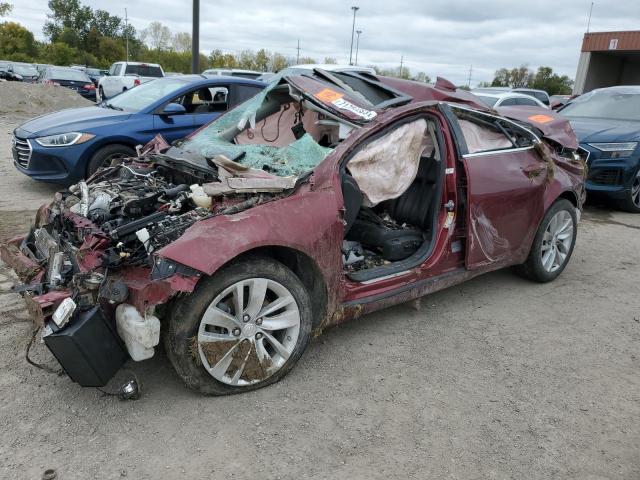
[
  {"x": 342, "y": 104},
  {"x": 328, "y": 95},
  {"x": 541, "y": 118}
]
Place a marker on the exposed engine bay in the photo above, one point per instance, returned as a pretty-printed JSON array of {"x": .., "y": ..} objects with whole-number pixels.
[{"x": 125, "y": 212}]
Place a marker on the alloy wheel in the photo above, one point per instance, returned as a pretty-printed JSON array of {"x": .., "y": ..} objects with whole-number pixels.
[
  {"x": 248, "y": 332},
  {"x": 635, "y": 190},
  {"x": 557, "y": 241}
]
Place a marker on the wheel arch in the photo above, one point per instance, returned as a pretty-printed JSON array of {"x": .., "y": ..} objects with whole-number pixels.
[
  {"x": 107, "y": 142},
  {"x": 303, "y": 266}
]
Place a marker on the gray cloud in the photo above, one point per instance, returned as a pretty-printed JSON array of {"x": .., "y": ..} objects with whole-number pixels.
[{"x": 440, "y": 37}]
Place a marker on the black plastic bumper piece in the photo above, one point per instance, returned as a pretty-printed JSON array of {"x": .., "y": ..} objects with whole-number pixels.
[{"x": 88, "y": 348}]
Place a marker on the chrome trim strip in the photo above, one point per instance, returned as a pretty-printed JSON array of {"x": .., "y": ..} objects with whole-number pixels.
[{"x": 495, "y": 152}]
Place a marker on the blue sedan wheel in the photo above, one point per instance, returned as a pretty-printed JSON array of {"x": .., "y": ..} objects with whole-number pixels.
[
  {"x": 104, "y": 156},
  {"x": 632, "y": 202}
]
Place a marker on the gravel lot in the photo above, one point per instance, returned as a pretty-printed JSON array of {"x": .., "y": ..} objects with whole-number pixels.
[{"x": 497, "y": 378}]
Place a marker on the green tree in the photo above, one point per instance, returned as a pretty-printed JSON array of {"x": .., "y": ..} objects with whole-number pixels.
[
  {"x": 69, "y": 14},
  {"x": 278, "y": 62},
  {"x": 111, "y": 50},
  {"x": 15, "y": 39},
  {"x": 330, "y": 60},
  {"x": 58, "y": 53},
  {"x": 262, "y": 60},
  {"x": 304, "y": 60},
  {"x": 5, "y": 9}
]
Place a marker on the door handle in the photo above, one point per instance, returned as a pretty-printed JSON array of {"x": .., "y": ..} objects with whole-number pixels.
[{"x": 449, "y": 206}]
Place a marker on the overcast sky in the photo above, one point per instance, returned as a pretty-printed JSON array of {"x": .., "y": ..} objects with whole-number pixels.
[{"x": 439, "y": 37}]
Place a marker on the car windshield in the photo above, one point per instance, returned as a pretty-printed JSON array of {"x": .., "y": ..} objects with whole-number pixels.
[
  {"x": 144, "y": 70},
  {"x": 92, "y": 71},
  {"x": 271, "y": 132},
  {"x": 144, "y": 95},
  {"x": 25, "y": 70},
  {"x": 68, "y": 74},
  {"x": 612, "y": 104},
  {"x": 491, "y": 101}
]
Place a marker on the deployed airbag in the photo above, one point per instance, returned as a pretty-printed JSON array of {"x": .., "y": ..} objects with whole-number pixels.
[{"x": 387, "y": 166}]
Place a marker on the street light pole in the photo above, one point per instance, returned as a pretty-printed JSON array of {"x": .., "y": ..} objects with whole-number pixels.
[
  {"x": 353, "y": 29},
  {"x": 126, "y": 33},
  {"x": 195, "y": 38},
  {"x": 357, "y": 44}
]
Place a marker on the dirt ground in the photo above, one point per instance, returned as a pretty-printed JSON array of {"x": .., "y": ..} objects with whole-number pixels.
[{"x": 498, "y": 378}]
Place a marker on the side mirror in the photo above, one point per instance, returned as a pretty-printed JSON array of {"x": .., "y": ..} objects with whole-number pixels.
[{"x": 173, "y": 109}]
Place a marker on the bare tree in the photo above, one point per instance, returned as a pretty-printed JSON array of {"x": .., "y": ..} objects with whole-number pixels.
[
  {"x": 157, "y": 36},
  {"x": 181, "y": 42}
]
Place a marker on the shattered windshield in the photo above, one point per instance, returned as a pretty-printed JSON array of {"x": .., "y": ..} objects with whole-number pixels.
[{"x": 275, "y": 132}]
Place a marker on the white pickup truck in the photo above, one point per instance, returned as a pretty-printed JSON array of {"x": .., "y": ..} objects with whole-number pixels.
[{"x": 125, "y": 75}]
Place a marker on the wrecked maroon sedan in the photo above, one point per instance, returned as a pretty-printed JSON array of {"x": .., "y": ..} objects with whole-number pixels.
[{"x": 325, "y": 197}]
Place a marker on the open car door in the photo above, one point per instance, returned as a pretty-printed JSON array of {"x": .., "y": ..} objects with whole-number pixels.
[{"x": 353, "y": 97}]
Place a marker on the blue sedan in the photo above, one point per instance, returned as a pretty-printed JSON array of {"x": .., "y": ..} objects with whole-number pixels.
[
  {"x": 66, "y": 146},
  {"x": 607, "y": 124}
]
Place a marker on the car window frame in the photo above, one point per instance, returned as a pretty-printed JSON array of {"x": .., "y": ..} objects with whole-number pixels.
[{"x": 462, "y": 143}]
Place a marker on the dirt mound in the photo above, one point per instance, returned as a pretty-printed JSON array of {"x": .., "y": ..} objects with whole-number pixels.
[{"x": 33, "y": 98}]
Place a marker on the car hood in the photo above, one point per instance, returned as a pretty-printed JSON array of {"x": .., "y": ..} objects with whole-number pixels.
[
  {"x": 548, "y": 123},
  {"x": 72, "y": 119},
  {"x": 605, "y": 131}
]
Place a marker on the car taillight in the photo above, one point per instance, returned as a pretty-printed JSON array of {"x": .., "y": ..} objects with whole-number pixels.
[
  {"x": 136, "y": 82},
  {"x": 51, "y": 82},
  {"x": 89, "y": 86}
]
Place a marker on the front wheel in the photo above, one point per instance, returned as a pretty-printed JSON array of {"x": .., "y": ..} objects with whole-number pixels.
[
  {"x": 104, "y": 157},
  {"x": 101, "y": 94},
  {"x": 632, "y": 201},
  {"x": 553, "y": 244},
  {"x": 242, "y": 329}
]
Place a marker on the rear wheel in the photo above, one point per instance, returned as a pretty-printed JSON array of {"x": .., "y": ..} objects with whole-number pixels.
[
  {"x": 104, "y": 156},
  {"x": 242, "y": 329},
  {"x": 632, "y": 202},
  {"x": 101, "y": 94},
  {"x": 553, "y": 244}
]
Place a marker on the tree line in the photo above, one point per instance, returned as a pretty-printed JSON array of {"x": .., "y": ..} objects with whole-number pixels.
[
  {"x": 542, "y": 79},
  {"x": 78, "y": 34}
]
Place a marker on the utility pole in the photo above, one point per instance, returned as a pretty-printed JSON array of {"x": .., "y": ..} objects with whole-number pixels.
[
  {"x": 470, "y": 72},
  {"x": 358, "y": 44},
  {"x": 589, "y": 22},
  {"x": 195, "y": 38},
  {"x": 126, "y": 31},
  {"x": 298, "y": 56},
  {"x": 353, "y": 29},
  {"x": 401, "y": 60}
]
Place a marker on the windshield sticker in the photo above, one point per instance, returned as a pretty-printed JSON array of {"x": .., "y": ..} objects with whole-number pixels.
[
  {"x": 328, "y": 95},
  {"x": 541, "y": 118},
  {"x": 361, "y": 112}
]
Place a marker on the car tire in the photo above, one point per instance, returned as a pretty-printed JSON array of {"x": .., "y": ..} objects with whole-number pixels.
[
  {"x": 631, "y": 202},
  {"x": 237, "y": 351},
  {"x": 101, "y": 94},
  {"x": 553, "y": 244},
  {"x": 105, "y": 155}
]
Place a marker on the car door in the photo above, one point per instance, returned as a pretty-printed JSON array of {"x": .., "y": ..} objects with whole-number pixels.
[
  {"x": 178, "y": 125},
  {"x": 208, "y": 103},
  {"x": 108, "y": 85},
  {"x": 506, "y": 181}
]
